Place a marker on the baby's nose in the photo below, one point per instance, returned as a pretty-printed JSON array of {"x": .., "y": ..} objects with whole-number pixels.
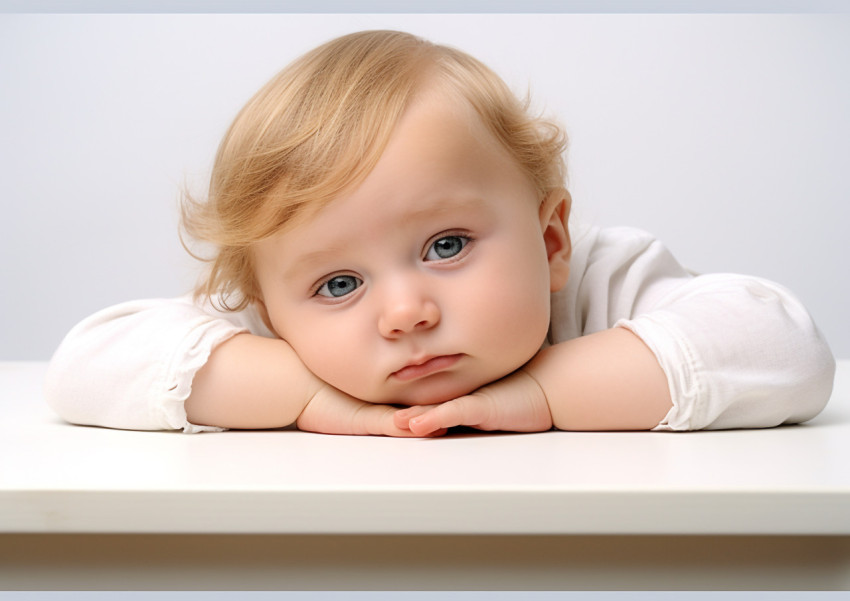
[{"x": 408, "y": 313}]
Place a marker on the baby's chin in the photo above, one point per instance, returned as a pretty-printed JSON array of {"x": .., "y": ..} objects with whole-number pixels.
[{"x": 432, "y": 391}]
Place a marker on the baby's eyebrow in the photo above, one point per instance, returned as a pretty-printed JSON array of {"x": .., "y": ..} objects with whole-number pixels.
[
  {"x": 444, "y": 205},
  {"x": 310, "y": 260}
]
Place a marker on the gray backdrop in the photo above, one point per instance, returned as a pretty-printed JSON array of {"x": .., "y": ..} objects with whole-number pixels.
[{"x": 725, "y": 135}]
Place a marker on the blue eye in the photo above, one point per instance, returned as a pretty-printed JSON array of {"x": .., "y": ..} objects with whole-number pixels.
[
  {"x": 339, "y": 286},
  {"x": 446, "y": 248}
]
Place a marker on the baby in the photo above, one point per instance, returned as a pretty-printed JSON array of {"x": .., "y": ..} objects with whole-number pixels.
[{"x": 393, "y": 257}]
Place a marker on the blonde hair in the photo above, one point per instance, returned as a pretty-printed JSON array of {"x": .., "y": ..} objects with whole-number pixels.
[{"x": 320, "y": 126}]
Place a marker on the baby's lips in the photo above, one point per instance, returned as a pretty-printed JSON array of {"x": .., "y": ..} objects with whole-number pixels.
[{"x": 426, "y": 367}]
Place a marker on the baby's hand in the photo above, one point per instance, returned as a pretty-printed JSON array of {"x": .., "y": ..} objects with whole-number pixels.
[
  {"x": 515, "y": 403},
  {"x": 331, "y": 411}
]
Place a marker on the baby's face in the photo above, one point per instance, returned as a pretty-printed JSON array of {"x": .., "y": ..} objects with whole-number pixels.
[{"x": 429, "y": 279}]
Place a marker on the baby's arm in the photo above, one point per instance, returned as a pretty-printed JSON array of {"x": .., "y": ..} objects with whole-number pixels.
[
  {"x": 140, "y": 365},
  {"x": 252, "y": 382},
  {"x": 609, "y": 380}
]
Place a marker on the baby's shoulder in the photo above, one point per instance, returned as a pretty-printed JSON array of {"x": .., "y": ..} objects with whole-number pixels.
[{"x": 592, "y": 244}]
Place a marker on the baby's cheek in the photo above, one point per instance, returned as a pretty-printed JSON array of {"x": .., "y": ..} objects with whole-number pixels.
[
  {"x": 331, "y": 352},
  {"x": 340, "y": 370},
  {"x": 524, "y": 325}
]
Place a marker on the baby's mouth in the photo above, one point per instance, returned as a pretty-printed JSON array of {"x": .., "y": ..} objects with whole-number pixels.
[{"x": 426, "y": 367}]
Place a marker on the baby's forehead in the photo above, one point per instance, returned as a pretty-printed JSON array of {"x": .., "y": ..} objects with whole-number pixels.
[
  {"x": 439, "y": 94},
  {"x": 448, "y": 118}
]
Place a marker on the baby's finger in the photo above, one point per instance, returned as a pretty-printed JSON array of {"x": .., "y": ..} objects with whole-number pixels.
[
  {"x": 464, "y": 411},
  {"x": 402, "y": 417},
  {"x": 380, "y": 419}
]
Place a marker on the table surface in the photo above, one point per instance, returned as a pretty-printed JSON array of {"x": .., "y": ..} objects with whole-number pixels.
[{"x": 59, "y": 478}]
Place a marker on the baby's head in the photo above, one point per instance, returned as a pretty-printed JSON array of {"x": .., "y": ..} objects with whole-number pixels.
[{"x": 395, "y": 214}]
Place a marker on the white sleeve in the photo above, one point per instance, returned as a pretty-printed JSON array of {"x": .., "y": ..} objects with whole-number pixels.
[
  {"x": 738, "y": 351},
  {"x": 131, "y": 366}
]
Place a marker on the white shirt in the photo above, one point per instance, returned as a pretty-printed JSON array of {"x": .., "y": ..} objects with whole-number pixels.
[{"x": 738, "y": 351}]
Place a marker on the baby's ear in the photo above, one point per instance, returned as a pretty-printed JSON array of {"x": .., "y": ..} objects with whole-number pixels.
[{"x": 554, "y": 212}]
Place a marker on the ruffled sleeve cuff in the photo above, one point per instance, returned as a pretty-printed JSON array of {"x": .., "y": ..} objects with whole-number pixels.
[
  {"x": 190, "y": 357},
  {"x": 681, "y": 366}
]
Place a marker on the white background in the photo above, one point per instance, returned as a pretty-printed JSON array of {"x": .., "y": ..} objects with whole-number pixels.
[{"x": 725, "y": 135}]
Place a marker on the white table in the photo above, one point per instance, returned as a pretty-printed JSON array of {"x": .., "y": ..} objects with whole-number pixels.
[{"x": 97, "y": 508}]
